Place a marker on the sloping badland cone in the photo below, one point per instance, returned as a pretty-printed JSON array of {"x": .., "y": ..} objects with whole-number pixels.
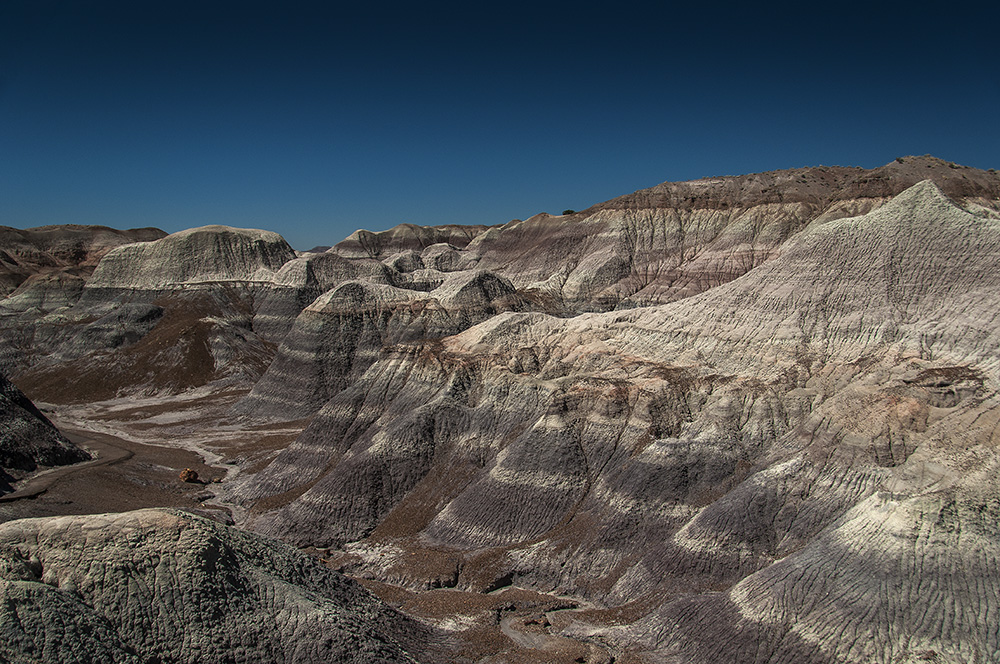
[{"x": 797, "y": 466}]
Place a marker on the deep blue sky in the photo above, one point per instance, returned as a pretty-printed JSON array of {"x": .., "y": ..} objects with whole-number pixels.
[{"x": 314, "y": 120}]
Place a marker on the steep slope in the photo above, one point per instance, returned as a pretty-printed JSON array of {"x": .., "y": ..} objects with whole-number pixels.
[
  {"x": 27, "y": 438},
  {"x": 159, "y": 585},
  {"x": 706, "y": 462}
]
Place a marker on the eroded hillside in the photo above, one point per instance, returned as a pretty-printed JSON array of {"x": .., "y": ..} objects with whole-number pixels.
[
  {"x": 746, "y": 419},
  {"x": 159, "y": 585}
]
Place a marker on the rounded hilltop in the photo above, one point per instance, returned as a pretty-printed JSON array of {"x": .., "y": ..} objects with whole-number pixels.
[{"x": 198, "y": 255}]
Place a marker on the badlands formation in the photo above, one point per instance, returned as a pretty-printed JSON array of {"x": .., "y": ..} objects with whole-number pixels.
[{"x": 739, "y": 419}]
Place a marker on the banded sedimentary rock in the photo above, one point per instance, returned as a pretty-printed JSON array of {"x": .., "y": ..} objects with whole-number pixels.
[
  {"x": 338, "y": 336},
  {"x": 301, "y": 280},
  {"x": 678, "y": 239},
  {"x": 719, "y": 455},
  {"x": 744, "y": 411},
  {"x": 205, "y": 255},
  {"x": 69, "y": 249},
  {"x": 404, "y": 237},
  {"x": 169, "y": 314}
]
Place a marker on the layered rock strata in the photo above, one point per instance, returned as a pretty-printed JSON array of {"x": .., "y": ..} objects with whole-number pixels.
[
  {"x": 170, "y": 314},
  {"x": 301, "y": 280},
  {"x": 721, "y": 455},
  {"x": 657, "y": 245},
  {"x": 198, "y": 256},
  {"x": 70, "y": 250},
  {"x": 404, "y": 237},
  {"x": 678, "y": 239},
  {"x": 339, "y": 335}
]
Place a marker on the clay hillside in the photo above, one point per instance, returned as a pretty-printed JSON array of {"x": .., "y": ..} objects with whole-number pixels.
[{"x": 739, "y": 419}]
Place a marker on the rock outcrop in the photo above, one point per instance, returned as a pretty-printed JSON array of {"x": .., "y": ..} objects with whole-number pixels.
[
  {"x": 199, "y": 256},
  {"x": 402, "y": 238},
  {"x": 170, "y": 314},
  {"x": 27, "y": 438},
  {"x": 655, "y": 246},
  {"x": 166, "y": 586},
  {"x": 678, "y": 239},
  {"x": 300, "y": 281}
]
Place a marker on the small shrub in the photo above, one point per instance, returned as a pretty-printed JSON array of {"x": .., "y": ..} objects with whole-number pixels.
[{"x": 569, "y": 212}]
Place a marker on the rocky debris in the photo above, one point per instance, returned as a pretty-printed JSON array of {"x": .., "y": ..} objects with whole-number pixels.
[
  {"x": 163, "y": 585},
  {"x": 718, "y": 459},
  {"x": 27, "y": 438}
]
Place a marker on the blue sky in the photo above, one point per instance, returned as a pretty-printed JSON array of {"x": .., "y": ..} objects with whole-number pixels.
[{"x": 313, "y": 120}]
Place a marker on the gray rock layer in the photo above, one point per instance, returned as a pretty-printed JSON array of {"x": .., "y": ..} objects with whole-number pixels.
[
  {"x": 165, "y": 586},
  {"x": 336, "y": 338}
]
